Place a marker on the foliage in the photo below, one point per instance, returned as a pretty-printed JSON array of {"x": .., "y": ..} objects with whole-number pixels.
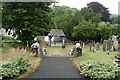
[
  {"x": 104, "y": 30},
  {"x": 99, "y": 8},
  {"x": 98, "y": 70},
  {"x": 13, "y": 67},
  {"x": 60, "y": 14},
  {"x": 114, "y": 18},
  {"x": 115, "y": 29},
  {"x": 85, "y": 30},
  {"x": 81, "y": 18},
  {"x": 27, "y": 19},
  {"x": 6, "y": 38}
]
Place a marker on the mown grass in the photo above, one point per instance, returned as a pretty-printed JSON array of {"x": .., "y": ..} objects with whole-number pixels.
[
  {"x": 58, "y": 50},
  {"x": 8, "y": 52},
  {"x": 86, "y": 54}
]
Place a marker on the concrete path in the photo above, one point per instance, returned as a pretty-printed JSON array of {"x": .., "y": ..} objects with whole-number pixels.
[{"x": 56, "y": 67}]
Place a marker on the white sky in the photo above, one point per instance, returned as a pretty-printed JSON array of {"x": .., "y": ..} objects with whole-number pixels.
[{"x": 111, "y": 4}]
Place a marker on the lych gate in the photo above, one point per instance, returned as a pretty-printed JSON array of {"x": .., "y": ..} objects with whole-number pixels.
[{"x": 56, "y": 33}]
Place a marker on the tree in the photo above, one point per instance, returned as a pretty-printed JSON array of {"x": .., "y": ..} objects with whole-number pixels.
[
  {"x": 104, "y": 30},
  {"x": 60, "y": 14},
  {"x": 115, "y": 29},
  {"x": 85, "y": 30},
  {"x": 85, "y": 14},
  {"x": 114, "y": 19},
  {"x": 99, "y": 8},
  {"x": 27, "y": 19}
]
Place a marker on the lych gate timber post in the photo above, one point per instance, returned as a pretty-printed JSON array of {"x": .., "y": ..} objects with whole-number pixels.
[{"x": 57, "y": 33}]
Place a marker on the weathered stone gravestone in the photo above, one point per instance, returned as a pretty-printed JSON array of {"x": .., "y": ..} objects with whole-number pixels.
[
  {"x": 101, "y": 41},
  {"x": 98, "y": 45},
  {"x": 108, "y": 45},
  {"x": 94, "y": 44},
  {"x": 90, "y": 46},
  {"x": 116, "y": 45},
  {"x": 71, "y": 52},
  {"x": 77, "y": 50},
  {"x": 104, "y": 45},
  {"x": 81, "y": 43},
  {"x": 94, "y": 50},
  {"x": 44, "y": 51},
  {"x": 35, "y": 47}
]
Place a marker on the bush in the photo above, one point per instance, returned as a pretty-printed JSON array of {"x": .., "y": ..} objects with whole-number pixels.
[
  {"x": 6, "y": 38},
  {"x": 13, "y": 67},
  {"x": 98, "y": 70}
]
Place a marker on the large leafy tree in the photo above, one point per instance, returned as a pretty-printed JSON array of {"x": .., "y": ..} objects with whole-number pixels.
[
  {"x": 85, "y": 14},
  {"x": 60, "y": 14},
  {"x": 99, "y": 8},
  {"x": 27, "y": 19},
  {"x": 85, "y": 30},
  {"x": 104, "y": 30}
]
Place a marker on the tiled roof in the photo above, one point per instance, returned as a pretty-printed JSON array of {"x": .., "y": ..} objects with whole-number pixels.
[{"x": 56, "y": 32}]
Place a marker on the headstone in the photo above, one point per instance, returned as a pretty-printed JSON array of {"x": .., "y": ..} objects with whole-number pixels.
[
  {"x": 77, "y": 50},
  {"x": 98, "y": 45},
  {"x": 108, "y": 52},
  {"x": 94, "y": 44},
  {"x": 104, "y": 45},
  {"x": 101, "y": 41},
  {"x": 83, "y": 45},
  {"x": 116, "y": 45},
  {"x": 71, "y": 52},
  {"x": 108, "y": 45},
  {"x": 111, "y": 44},
  {"x": 90, "y": 46},
  {"x": 36, "y": 48},
  {"x": 27, "y": 44},
  {"x": 93, "y": 50}
]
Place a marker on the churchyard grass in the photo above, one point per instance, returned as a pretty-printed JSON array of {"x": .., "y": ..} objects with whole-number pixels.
[
  {"x": 86, "y": 54},
  {"x": 8, "y": 51}
]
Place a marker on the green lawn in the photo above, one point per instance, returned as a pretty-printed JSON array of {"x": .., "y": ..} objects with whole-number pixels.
[
  {"x": 86, "y": 55},
  {"x": 58, "y": 50},
  {"x": 8, "y": 54}
]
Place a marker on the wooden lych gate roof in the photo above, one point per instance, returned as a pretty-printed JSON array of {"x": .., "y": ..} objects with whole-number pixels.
[{"x": 56, "y": 32}]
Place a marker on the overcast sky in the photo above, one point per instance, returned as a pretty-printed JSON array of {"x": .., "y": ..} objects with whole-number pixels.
[{"x": 111, "y": 4}]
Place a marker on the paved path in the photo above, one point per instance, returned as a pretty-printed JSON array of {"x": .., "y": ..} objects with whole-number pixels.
[{"x": 56, "y": 67}]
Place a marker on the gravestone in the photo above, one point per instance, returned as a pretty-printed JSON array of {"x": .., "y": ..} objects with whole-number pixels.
[
  {"x": 93, "y": 50},
  {"x": 116, "y": 45},
  {"x": 104, "y": 45},
  {"x": 83, "y": 45},
  {"x": 111, "y": 44},
  {"x": 77, "y": 50},
  {"x": 98, "y": 45},
  {"x": 35, "y": 47},
  {"x": 101, "y": 41},
  {"x": 94, "y": 44},
  {"x": 108, "y": 45},
  {"x": 90, "y": 46}
]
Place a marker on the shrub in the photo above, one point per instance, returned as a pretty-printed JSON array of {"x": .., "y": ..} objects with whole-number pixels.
[
  {"x": 6, "y": 38},
  {"x": 13, "y": 67},
  {"x": 98, "y": 70}
]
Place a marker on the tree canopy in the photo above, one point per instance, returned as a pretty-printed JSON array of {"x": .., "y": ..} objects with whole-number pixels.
[
  {"x": 99, "y": 8},
  {"x": 83, "y": 18},
  {"x": 27, "y": 19},
  {"x": 60, "y": 14}
]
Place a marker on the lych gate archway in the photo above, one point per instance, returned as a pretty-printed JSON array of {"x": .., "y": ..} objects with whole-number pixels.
[{"x": 58, "y": 33}]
